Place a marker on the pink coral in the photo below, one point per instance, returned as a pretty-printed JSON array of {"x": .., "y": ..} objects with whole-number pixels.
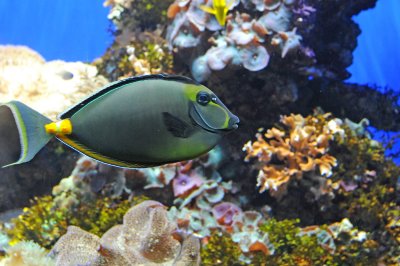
[{"x": 183, "y": 184}]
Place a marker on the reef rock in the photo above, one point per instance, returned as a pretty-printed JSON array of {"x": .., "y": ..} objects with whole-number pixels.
[{"x": 48, "y": 87}]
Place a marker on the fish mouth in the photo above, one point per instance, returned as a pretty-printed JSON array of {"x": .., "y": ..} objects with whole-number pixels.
[
  {"x": 196, "y": 116},
  {"x": 233, "y": 122}
]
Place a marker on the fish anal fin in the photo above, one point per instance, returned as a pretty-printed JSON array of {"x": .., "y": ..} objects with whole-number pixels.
[
  {"x": 176, "y": 126},
  {"x": 74, "y": 144}
]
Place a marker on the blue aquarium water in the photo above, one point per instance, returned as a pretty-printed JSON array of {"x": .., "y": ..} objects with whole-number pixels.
[
  {"x": 67, "y": 30},
  {"x": 248, "y": 132},
  {"x": 376, "y": 58}
]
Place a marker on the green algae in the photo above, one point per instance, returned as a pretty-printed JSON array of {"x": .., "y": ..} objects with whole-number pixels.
[{"x": 44, "y": 224}]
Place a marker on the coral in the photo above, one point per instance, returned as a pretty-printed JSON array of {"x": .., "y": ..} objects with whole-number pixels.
[
  {"x": 183, "y": 184},
  {"x": 219, "y": 249},
  {"x": 133, "y": 14},
  {"x": 247, "y": 40},
  {"x": 194, "y": 212},
  {"x": 49, "y": 87},
  {"x": 139, "y": 47},
  {"x": 145, "y": 237},
  {"x": 88, "y": 179},
  {"x": 246, "y": 232},
  {"x": 26, "y": 253},
  {"x": 224, "y": 212},
  {"x": 137, "y": 54},
  {"x": 45, "y": 221},
  {"x": 292, "y": 249},
  {"x": 38, "y": 223},
  {"x": 301, "y": 147},
  {"x": 335, "y": 244}
]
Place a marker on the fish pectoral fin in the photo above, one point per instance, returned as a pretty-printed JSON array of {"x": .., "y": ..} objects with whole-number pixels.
[
  {"x": 207, "y": 9},
  {"x": 176, "y": 126}
]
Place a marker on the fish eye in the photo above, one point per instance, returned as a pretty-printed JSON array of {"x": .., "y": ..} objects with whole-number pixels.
[{"x": 203, "y": 98}]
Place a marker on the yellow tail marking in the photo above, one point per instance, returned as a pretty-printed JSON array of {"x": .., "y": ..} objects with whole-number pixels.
[{"x": 60, "y": 127}]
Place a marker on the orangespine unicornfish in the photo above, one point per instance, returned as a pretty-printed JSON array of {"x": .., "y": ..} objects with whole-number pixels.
[{"x": 140, "y": 121}]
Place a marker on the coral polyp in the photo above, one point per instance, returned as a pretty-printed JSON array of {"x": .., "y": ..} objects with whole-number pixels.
[{"x": 246, "y": 38}]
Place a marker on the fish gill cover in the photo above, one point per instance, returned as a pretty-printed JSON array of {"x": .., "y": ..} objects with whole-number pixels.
[{"x": 301, "y": 182}]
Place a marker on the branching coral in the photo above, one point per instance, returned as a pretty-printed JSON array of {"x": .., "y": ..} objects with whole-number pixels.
[
  {"x": 362, "y": 187},
  {"x": 287, "y": 154},
  {"x": 145, "y": 237}
]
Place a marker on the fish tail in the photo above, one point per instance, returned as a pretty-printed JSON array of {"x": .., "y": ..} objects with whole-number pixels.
[{"x": 22, "y": 133}]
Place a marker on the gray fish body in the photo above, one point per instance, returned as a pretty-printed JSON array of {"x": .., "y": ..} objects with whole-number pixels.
[
  {"x": 136, "y": 122},
  {"x": 128, "y": 124}
]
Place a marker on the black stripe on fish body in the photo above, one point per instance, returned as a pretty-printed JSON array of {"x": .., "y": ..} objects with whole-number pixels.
[{"x": 120, "y": 83}]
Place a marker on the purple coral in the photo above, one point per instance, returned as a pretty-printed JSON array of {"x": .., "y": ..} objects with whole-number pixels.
[
  {"x": 225, "y": 211},
  {"x": 183, "y": 184}
]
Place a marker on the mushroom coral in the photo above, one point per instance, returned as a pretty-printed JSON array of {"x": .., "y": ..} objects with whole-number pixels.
[{"x": 146, "y": 237}]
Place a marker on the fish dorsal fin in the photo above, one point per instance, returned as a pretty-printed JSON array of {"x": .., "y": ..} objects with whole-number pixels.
[{"x": 118, "y": 84}]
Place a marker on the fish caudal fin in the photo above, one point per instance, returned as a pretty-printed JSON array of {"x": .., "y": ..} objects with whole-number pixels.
[{"x": 22, "y": 133}]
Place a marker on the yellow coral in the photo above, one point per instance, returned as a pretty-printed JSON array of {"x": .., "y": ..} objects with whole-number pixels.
[{"x": 287, "y": 154}]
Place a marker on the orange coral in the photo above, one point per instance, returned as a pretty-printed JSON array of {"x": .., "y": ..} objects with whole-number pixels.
[{"x": 287, "y": 154}]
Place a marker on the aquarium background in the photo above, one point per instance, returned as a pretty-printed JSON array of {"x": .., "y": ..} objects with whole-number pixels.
[
  {"x": 80, "y": 31},
  {"x": 331, "y": 203}
]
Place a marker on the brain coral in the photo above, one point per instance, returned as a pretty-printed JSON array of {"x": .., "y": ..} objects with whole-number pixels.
[{"x": 146, "y": 237}]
